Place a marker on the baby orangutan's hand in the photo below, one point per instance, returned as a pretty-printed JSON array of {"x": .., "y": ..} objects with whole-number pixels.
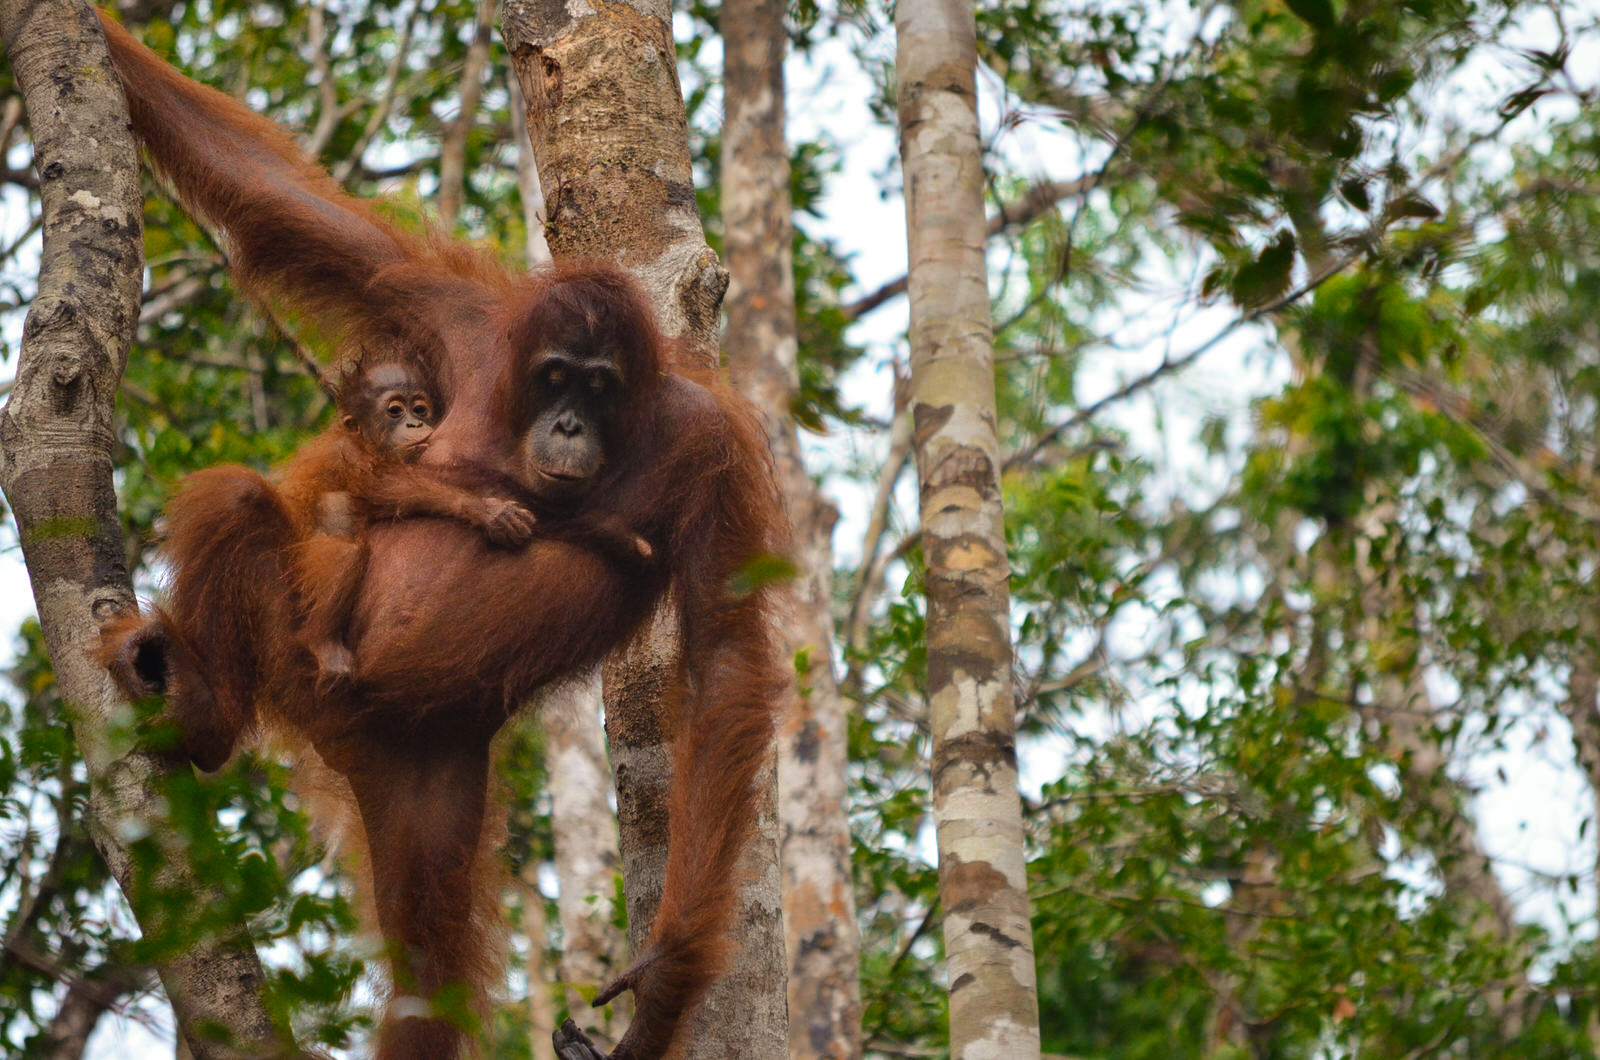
[{"x": 506, "y": 523}]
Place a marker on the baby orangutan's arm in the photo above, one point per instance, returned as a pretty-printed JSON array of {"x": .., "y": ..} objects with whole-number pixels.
[{"x": 398, "y": 491}]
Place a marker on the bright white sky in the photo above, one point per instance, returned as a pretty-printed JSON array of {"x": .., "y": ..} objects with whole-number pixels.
[{"x": 1533, "y": 797}]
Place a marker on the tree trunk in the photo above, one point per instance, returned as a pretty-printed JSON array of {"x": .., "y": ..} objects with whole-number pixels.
[
  {"x": 983, "y": 883},
  {"x": 1581, "y": 707},
  {"x": 611, "y": 144},
  {"x": 585, "y": 851},
  {"x": 527, "y": 178},
  {"x": 541, "y": 1009},
  {"x": 56, "y": 440},
  {"x": 1441, "y": 818},
  {"x": 610, "y": 138},
  {"x": 819, "y": 906}
]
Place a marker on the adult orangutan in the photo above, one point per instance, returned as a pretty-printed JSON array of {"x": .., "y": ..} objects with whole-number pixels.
[{"x": 560, "y": 396}]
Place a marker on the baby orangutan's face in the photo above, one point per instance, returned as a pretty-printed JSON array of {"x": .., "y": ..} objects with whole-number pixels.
[{"x": 394, "y": 411}]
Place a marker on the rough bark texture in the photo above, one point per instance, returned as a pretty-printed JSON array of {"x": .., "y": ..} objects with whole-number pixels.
[
  {"x": 586, "y": 854},
  {"x": 55, "y": 466},
  {"x": 611, "y": 142},
  {"x": 610, "y": 137},
  {"x": 977, "y": 810},
  {"x": 819, "y": 908}
]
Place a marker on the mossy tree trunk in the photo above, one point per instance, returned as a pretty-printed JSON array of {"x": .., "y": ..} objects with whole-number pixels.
[{"x": 56, "y": 440}]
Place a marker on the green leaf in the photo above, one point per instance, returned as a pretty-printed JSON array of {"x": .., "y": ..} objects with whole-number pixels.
[
  {"x": 1316, "y": 13},
  {"x": 1410, "y": 204},
  {"x": 1260, "y": 281}
]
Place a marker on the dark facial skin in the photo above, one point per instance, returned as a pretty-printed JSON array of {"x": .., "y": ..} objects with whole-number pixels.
[
  {"x": 395, "y": 411},
  {"x": 576, "y": 396}
]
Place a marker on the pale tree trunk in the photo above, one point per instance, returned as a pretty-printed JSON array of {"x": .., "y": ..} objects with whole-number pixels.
[
  {"x": 610, "y": 138},
  {"x": 585, "y": 836},
  {"x": 983, "y": 883},
  {"x": 56, "y": 440},
  {"x": 1581, "y": 707},
  {"x": 541, "y": 1010},
  {"x": 819, "y": 907},
  {"x": 527, "y": 177},
  {"x": 453, "y": 149}
]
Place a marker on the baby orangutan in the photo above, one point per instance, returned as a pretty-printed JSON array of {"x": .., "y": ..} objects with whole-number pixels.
[{"x": 359, "y": 472}]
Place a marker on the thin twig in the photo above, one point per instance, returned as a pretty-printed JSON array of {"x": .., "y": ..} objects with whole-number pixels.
[
  {"x": 10, "y": 117},
  {"x": 453, "y": 149},
  {"x": 25, "y": 235},
  {"x": 878, "y": 522},
  {"x": 1170, "y": 364}
]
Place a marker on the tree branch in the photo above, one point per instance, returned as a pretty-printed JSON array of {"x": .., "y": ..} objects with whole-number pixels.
[
  {"x": 1170, "y": 364},
  {"x": 351, "y": 163},
  {"x": 453, "y": 151}
]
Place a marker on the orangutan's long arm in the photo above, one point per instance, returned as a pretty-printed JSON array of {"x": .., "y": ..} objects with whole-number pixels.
[{"x": 290, "y": 231}]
